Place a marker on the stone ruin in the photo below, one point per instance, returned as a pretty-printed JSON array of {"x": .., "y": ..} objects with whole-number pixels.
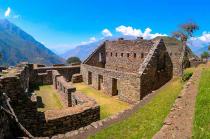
[
  {"x": 19, "y": 116},
  {"x": 128, "y": 69}
]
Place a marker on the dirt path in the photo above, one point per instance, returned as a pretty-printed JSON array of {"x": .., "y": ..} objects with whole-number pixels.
[{"x": 179, "y": 123}]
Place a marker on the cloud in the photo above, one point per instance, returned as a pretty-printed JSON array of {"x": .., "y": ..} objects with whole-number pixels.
[
  {"x": 91, "y": 40},
  {"x": 201, "y": 41},
  {"x": 130, "y": 31},
  {"x": 106, "y": 33},
  {"x": 7, "y": 12}
]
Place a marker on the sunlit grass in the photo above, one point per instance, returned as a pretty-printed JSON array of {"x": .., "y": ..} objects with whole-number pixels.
[
  {"x": 148, "y": 119},
  {"x": 201, "y": 128},
  {"x": 108, "y": 105},
  {"x": 48, "y": 98}
]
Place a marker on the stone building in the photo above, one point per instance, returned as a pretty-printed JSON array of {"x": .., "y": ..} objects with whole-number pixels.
[{"x": 129, "y": 69}]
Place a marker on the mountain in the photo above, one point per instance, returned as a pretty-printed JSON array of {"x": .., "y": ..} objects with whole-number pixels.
[
  {"x": 83, "y": 51},
  {"x": 17, "y": 46}
]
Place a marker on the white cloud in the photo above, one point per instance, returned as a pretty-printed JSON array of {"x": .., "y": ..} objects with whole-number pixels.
[
  {"x": 130, "y": 31},
  {"x": 106, "y": 33},
  {"x": 199, "y": 42},
  {"x": 7, "y": 12},
  {"x": 91, "y": 40}
]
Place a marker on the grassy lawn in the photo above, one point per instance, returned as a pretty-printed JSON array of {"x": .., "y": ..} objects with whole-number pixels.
[
  {"x": 147, "y": 120},
  {"x": 48, "y": 98},
  {"x": 201, "y": 128},
  {"x": 109, "y": 105}
]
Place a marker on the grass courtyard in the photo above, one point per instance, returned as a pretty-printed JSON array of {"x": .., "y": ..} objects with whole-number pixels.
[
  {"x": 147, "y": 120},
  {"x": 108, "y": 105},
  {"x": 48, "y": 98},
  {"x": 201, "y": 128}
]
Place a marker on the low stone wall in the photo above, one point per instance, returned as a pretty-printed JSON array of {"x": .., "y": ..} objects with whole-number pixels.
[
  {"x": 72, "y": 118},
  {"x": 66, "y": 71},
  {"x": 77, "y": 78},
  {"x": 64, "y": 88},
  {"x": 196, "y": 63},
  {"x": 128, "y": 84}
]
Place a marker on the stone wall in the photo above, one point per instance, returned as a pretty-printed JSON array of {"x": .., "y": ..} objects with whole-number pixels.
[
  {"x": 128, "y": 84},
  {"x": 156, "y": 70},
  {"x": 64, "y": 88},
  {"x": 126, "y": 55},
  {"x": 16, "y": 86},
  {"x": 77, "y": 78},
  {"x": 72, "y": 118},
  {"x": 66, "y": 71},
  {"x": 94, "y": 59}
]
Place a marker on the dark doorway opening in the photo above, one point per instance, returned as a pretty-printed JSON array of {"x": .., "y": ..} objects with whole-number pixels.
[
  {"x": 89, "y": 77},
  {"x": 100, "y": 81},
  {"x": 114, "y": 87}
]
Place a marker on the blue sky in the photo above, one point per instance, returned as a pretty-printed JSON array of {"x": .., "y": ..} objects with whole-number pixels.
[{"x": 63, "y": 24}]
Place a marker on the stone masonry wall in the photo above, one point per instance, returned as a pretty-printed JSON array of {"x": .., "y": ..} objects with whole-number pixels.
[
  {"x": 72, "y": 118},
  {"x": 16, "y": 86},
  {"x": 128, "y": 84},
  {"x": 156, "y": 70},
  {"x": 126, "y": 55},
  {"x": 93, "y": 59},
  {"x": 64, "y": 88},
  {"x": 66, "y": 71}
]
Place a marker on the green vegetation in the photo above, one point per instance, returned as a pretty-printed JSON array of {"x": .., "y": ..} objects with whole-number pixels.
[
  {"x": 201, "y": 128},
  {"x": 108, "y": 105},
  {"x": 187, "y": 74},
  {"x": 48, "y": 98},
  {"x": 205, "y": 55},
  {"x": 72, "y": 60},
  {"x": 148, "y": 119}
]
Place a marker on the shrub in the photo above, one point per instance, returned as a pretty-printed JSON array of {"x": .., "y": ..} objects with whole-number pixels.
[
  {"x": 72, "y": 60},
  {"x": 186, "y": 76}
]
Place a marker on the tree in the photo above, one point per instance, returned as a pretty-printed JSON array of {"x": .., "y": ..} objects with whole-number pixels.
[
  {"x": 72, "y": 60},
  {"x": 185, "y": 31},
  {"x": 209, "y": 47},
  {"x": 205, "y": 55}
]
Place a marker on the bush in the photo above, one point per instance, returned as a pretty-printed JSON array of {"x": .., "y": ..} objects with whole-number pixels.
[
  {"x": 72, "y": 60},
  {"x": 186, "y": 76}
]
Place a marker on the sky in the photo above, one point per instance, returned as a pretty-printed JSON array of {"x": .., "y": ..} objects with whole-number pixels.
[{"x": 63, "y": 24}]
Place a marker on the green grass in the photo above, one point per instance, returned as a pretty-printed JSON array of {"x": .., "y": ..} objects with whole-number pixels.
[
  {"x": 50, "y": 98},
  {"x": 108, "y": 105},
  {"x": 201, "y": 128},
  {"x": 147, "y": 120}
]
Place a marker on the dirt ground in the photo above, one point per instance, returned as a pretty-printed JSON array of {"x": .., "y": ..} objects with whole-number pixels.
[{"x": 179, "y": 122}]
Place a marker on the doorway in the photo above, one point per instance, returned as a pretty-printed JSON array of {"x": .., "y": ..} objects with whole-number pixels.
[
  {"x": 100, "y": 82},
  {"x": 114, "y": 87},
  {"x": 89, "y": 77}
]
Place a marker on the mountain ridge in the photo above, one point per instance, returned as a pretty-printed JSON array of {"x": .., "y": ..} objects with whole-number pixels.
[{"x": 16, "y": 46}]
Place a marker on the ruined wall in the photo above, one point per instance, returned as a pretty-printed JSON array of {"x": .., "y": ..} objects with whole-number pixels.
[
  {"x": 126, "y": 55},
  {"x": 128, "y": 84},
  {"x": 15, "y": 86},
  {"x": 98, "y": 57},
  {"x": 72, "y": 118},
  {"x": 156, "y": 70},
  {"x": 66, "y": 71},
  {"x": 64, "y": 88},
  {"x": 5, "y": 120}
]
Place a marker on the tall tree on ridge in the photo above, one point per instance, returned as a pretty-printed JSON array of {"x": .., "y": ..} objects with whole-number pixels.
[{"x": 185, "y": 31}]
